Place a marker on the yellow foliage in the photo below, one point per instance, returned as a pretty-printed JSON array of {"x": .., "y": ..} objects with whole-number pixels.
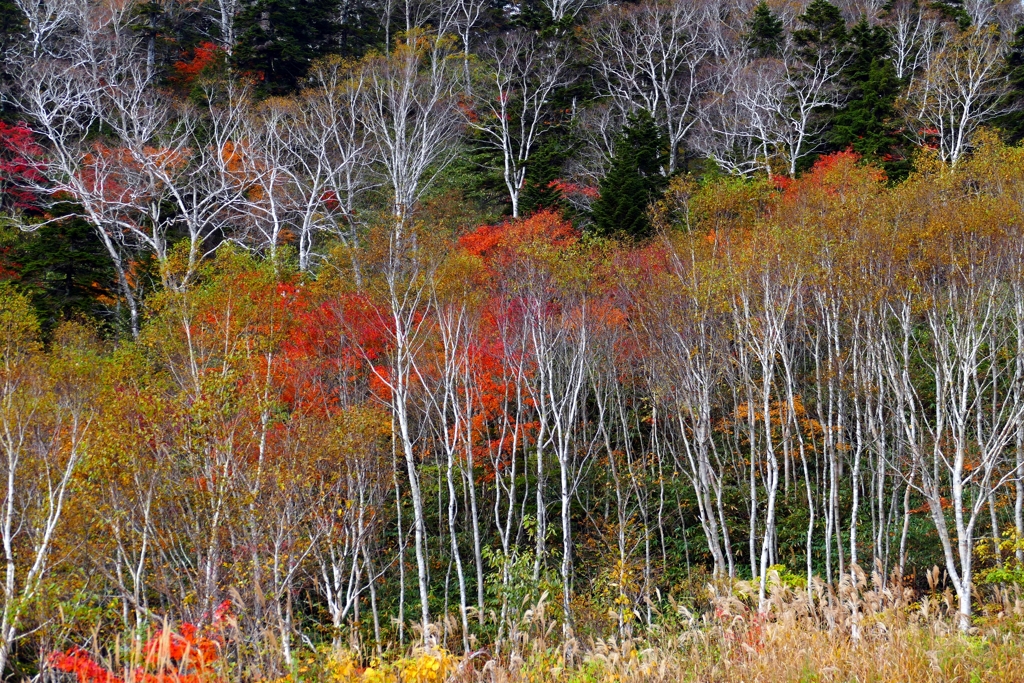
[
  {"x": 427, "y": 666},
  {"x": 374, "y": 675},
  {"x": 424, "y": 666},
  {"x": 341, "y": 668}
]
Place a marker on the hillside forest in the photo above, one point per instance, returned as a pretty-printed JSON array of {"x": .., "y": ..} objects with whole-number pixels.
[{"x": 545, "y": 340}]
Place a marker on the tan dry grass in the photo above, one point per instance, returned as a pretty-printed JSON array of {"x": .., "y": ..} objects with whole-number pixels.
[{"x": 866, "y": 630}]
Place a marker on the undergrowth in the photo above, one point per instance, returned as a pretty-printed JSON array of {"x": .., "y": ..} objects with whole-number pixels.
[{"x": 867, "y": 629}]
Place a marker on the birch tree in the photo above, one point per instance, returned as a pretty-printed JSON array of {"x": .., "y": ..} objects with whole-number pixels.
[
  {"x": 656, "y": 56},
  {"x": 960, "y": 89},
  {"x": 45, "y": 414},
  {"x": 411, "y": 115},
  {"x": 513, "y": 102}
]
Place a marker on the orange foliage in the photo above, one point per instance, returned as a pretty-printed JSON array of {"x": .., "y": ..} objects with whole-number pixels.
[{"x": 498, "y": 241}]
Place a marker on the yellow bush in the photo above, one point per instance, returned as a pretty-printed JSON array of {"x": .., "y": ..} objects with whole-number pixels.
[
  {"x": 427, "y": 666},
  {"x": 341, "y": 667},
  {"x": 374, "y": 675}
]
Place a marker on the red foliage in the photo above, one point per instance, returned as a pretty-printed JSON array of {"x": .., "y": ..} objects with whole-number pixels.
[
  {"x": 493, "y": 365},
  {"x": 574, "y": 189},
  {"x": 20, "y": 165},
  {"x": 782, "y": 182},
  {"x": 9, "y": 269},
  {"x": 330, "y": 200},
  {"x": 832, "y": 176},
  {"x": 833, "y": 169},
  {"x": 183, "y": 657},
  {"x": 77, "y": 661},
  {"x": 330, "y": 343},
  {"x": 204, "y": 56}
]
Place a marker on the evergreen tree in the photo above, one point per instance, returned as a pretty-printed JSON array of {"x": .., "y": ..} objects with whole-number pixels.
[
  {"x": 634, "y": 181},
  {"x": 868, "y": 121},
  {"x": 536, "y": 15},
  {"x": 821, "y": 42},
  {"x": 360, "y": 27},
  {"x": 473, "y": 175},
  {"x": 824, "y": 30},
  {"x": 765, "y": 33},
  {"x": 170, "y": 34},
  {"x": 61, "y": 266},
  {"x": 952, "y": 10},
  {"x": 278, "y": 39},
  {"x": 1012, "y": 122},
  {"x": 544, "y": 168},
  {"x": 11, "y": 23}
]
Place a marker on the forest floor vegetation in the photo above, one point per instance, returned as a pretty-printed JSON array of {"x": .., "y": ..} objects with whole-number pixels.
[{"x": 868, "y": 629}]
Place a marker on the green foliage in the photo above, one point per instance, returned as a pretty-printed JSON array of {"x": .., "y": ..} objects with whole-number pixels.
[
  {"x": 1008, "y": 570},
  {"x": 511, "y": 581},
  {"x": 778, "y": 574},
  {"x": 474, "y": 178},
  {"x": 765, "y": 32},
  {"x": 1013, "y": 575},
  {"x": 635, "y": 180}
]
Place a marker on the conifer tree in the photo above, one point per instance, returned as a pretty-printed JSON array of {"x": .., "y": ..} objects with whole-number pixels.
[
  {"x": 278, "y": 39},
  {"x": 824, "y": 30},
  {"x": 821, "y": 48},
  {"x": 64, "y": 270},
  {"x": 868, "y": 121},
  {"x": 544, "y": 168},
  {"x": 11, "y": 23},
  {"x": 635, "y": 179},
  {"x": 1012, "y": 122},
  {"x": 360, "y": 27},
  {"x": 11, "y": 20},
  {"x": 765, "y": 32}
]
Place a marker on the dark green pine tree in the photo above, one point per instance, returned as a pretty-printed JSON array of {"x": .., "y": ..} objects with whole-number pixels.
[
  {"x": 544, "y": 167},
  {"x": 360, "y": 27},
  {"x": 634, "y": 181},
  {"x": 11, "y": 23},
  {"x": 535, "y": 15},
  {"x": 952, "y": 10},
  {"x": 278, "y": 39},
  {"x": 64, "y": 270},
  {"x": 1012, "y": 122},
  {"x": 823, "y": 32},
  {"x": 868, "y": 121},
  {"x": 765, "y": 32}
]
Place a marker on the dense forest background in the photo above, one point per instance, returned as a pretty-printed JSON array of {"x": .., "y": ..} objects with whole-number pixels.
[{"x": 350, "y": 325}]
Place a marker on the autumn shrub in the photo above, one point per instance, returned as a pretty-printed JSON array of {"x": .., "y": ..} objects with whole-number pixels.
[{"x": 187, "y": 654}]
